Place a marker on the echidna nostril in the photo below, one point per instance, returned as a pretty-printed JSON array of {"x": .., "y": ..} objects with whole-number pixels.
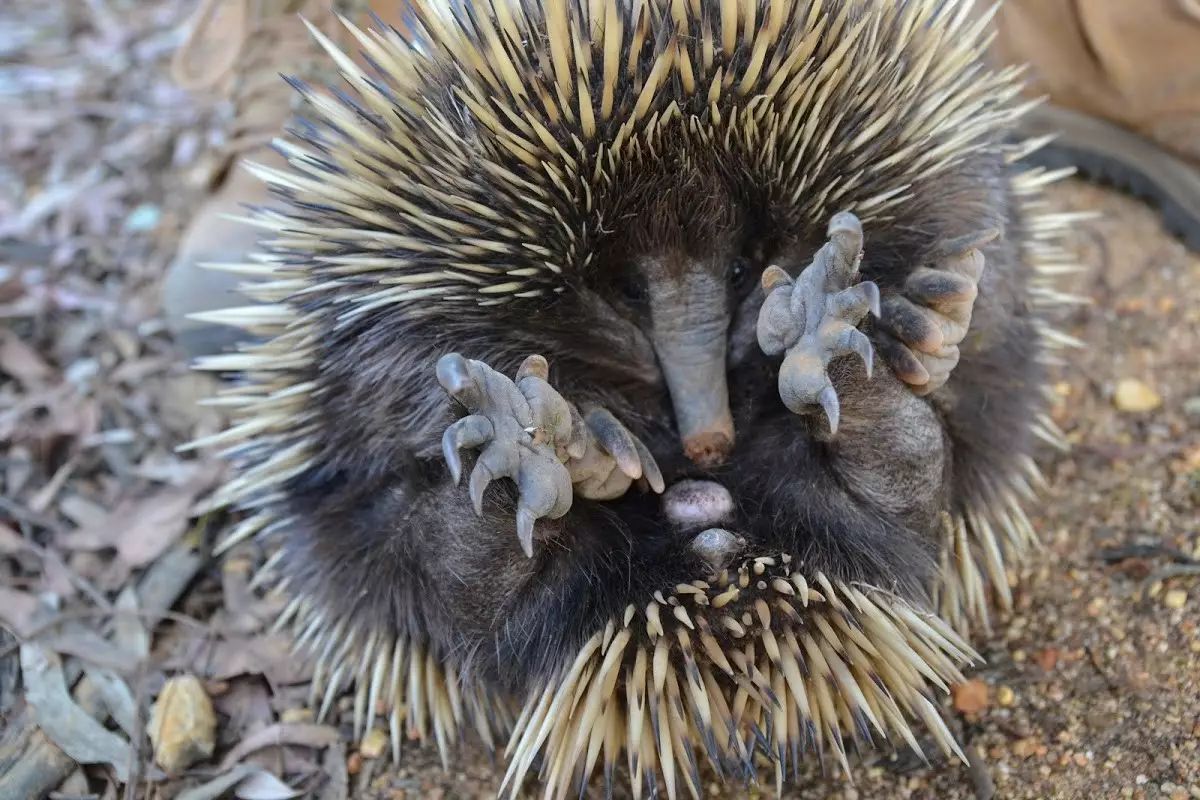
[{"x": 694, "y": 504}]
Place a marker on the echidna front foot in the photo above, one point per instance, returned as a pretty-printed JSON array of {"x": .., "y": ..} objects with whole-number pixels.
[
  {"x": 923, "y": 324},
  {"x": 528, "y": 432},
  {"x": 814, "y": 319}
]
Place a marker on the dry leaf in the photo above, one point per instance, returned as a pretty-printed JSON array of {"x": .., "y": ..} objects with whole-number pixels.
[
  {"x": 67, "y": 725},
  {"x": 11, "y": 542},
  {"x": 305, "y": 735},
  {"x": 141, "y": 530},
  {"x": 182, "y": 724},
  {"x": 218, "y": 786},
  {"x": 118, "y": 698},
  {"x": 18, "y": 610},
  {"x": 91, "y": 648},
  {"x": 22, "y": 362},
  {"x": 263, "y": 654},
  {"x": 263, "y": 785},
  {"x": 252, "y": 783}
]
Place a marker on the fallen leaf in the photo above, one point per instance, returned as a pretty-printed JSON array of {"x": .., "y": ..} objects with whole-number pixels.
[
  {"x": 970, "y": 697},
  {"x": 262, "y": 654},
  {"x": 11, "y": 542},
  {"x": 141, "y": 530},
  {"x": 62, "y": 721},
  {"x": 218, "y": 786},
  {"x": 129, "y": 631},
  {"x": 118, "y": 698},
  {"x": 262, "y": 785},
  {"x": 303, "y": 734},
  {"x": 18, "y": 610},
  {"x": 91, "y": 648},
  {"x": 22, "y": 362},
  {"x": 182, "y": 724},
  {"x": 251, "y": 782}
]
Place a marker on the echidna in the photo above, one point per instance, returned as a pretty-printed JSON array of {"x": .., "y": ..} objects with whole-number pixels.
[{"x": 591, "y": 196}]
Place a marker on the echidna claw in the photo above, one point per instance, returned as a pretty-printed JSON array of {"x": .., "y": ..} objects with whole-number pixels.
[
  {"x": 527, "y": 432},
  {"x": 829, "y": 402},
  {"x": 922, "y": 325},
  {"x": 612, "y": 459},
  {"x": 469, "y": 431},
  {"x": 814, "y": 319},
  {"x": 501, "y": 414}
]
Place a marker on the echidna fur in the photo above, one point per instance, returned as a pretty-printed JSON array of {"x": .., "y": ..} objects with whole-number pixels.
[{"x": 469, "y": 177}]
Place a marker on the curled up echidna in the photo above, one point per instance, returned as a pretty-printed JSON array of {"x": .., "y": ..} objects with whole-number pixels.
[{"x": 733, "y": 316}]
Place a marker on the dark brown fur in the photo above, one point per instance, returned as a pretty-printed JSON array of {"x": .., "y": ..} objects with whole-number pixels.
[{"x": 385, "y": 537}]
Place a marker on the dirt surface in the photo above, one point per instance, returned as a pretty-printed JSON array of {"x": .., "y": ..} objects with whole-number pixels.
[{"x": 1091, "y": 690}]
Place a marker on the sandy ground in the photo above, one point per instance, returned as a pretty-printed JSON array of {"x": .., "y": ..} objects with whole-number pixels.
[{"x": 1092, "y": 687}]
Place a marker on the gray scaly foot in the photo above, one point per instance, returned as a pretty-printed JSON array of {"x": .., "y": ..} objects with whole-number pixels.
[
  {"x": 814, "y": 319},
  {"x": 528, "y": 432}
]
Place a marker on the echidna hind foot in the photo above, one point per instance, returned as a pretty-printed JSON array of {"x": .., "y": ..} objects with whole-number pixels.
[
  {"x": 759, "y": 659},
  {"x": 924, "y": 322}
]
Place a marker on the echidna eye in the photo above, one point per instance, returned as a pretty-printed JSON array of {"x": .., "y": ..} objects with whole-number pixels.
[
  {"x": 632, "y": 288},
  {"x": 739, "y": 272}
]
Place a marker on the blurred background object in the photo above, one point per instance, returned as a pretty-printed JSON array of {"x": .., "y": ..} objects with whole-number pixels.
[{"x": 1123, "y": 82}]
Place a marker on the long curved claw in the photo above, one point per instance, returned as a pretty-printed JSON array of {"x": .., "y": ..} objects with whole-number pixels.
[
  {"x": 525, "y": 520},
  {"x": 454, "y": 375},
  {"x": 616, "y": 440},
  {"x": 529, "y": 433},
  {"x": 577, "y": 446},
  {"x": 498, "y": 460},
  {"x": 469, "y": 431},
  {"x": 859, "y": 344},
  {"x": 828, "y": 399},
  {"x": 544, "y": 490},
  {"x": 650, "y": 470}
]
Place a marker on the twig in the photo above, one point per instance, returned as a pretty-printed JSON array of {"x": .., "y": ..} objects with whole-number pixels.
[
  {"x": 1111, "y": 555},
  {"x": 1169, "y": 571}
]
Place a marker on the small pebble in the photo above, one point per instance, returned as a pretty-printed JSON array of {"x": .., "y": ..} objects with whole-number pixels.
[
  {"x": 183, "y": 726},
  {"x": 1005, "y": 696},
  {"x": 1135, "y": 396},
  {"x": 970, "y": 697},
  {"x": 296, "y": 715},
  {"x": 374, "y": 743},
  {"x": 1176, "y": 598},
  {"x": 143, "y": 218}
]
